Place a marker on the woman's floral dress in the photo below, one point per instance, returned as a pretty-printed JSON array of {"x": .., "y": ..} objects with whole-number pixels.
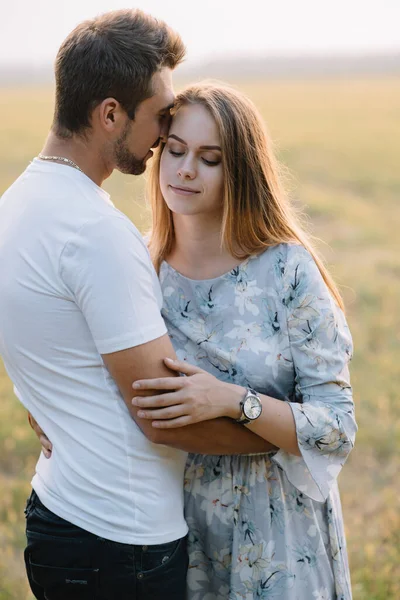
[{"x": 268, "y": 526}]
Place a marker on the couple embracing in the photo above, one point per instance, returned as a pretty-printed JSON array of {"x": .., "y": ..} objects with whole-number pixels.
[{"x": 191, "y": 391}]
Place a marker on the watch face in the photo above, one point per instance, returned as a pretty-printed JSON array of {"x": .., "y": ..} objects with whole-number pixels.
[{"x": 252, "y": 407}]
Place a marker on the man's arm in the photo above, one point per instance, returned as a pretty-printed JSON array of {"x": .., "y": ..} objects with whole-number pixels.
[
  {"x": 147, "y": 358},
  {"x": 107, "y": 270},
  {"x": 220, "y": 436}
]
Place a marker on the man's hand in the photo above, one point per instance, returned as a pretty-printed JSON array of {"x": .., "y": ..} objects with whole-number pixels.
[{"x": 47, "y": 446}]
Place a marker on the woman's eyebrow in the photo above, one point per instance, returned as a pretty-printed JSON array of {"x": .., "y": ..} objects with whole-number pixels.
[{"x": 175, "y": 137}]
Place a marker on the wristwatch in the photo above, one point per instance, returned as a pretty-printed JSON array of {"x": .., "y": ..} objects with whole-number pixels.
[{"x": 251, "y": 406}]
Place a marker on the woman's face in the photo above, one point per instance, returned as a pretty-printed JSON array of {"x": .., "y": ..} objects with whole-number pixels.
[{"x": 191, "y": 176}]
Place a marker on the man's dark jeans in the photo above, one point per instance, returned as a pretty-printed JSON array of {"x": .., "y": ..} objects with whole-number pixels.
[{"x": 65, "y": 562}]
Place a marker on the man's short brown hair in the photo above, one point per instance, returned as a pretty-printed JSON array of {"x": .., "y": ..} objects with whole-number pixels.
[{"x": 114, "y": 55}]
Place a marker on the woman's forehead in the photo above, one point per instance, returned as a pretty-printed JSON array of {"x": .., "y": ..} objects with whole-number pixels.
[{"x": 193, "y": 123}]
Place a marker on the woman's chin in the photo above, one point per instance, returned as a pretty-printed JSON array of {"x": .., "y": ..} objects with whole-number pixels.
[{"x": 182, "y": 207}]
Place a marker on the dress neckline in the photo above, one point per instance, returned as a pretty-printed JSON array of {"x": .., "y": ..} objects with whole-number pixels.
[{"x": 238, "y": 267}]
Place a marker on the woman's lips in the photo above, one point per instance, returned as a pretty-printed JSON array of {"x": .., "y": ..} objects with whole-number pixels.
[{"x": 182, "y": 191}]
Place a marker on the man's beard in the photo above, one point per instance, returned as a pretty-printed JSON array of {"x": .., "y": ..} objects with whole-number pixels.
[{"x": 125, "y": 160}]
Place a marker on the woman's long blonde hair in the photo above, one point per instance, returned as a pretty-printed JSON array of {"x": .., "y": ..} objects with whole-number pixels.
[{"x": 257, "y": 213}]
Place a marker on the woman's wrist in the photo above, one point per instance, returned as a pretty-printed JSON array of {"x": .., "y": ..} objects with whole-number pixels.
[{"x": 229, "y": 398}]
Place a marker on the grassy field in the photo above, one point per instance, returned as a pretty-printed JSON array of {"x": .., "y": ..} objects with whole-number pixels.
[{"x": 341, "y": 143}]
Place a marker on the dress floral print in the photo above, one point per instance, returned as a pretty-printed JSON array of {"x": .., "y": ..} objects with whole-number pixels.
[{"x": 268, "y": 526}]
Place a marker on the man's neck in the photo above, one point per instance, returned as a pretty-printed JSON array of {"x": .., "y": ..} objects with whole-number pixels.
[{"x": 82, "y": 152}]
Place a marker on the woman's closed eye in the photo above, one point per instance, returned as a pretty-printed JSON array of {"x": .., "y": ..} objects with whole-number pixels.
[
  {"x": 210, "y": 163},
  {"x": 207, "y": 161},
  {"x": 175, "y": 153}
]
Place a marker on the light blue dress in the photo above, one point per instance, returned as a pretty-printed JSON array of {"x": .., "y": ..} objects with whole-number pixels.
[{"x": 268, "y": 526}]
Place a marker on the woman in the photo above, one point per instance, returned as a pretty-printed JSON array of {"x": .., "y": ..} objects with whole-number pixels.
[{"x": 250, "y": 305}]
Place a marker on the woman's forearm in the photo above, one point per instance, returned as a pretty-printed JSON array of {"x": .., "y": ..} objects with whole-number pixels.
[{"x": 276, "y": 423}]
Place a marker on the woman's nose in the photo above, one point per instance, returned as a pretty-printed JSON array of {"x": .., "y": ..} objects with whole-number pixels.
[{"x": 187, "y": 170}]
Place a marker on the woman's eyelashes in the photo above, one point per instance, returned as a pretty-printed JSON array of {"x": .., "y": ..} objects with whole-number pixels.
[
  {"x": 210, "y": 163},
  {"x": 207, "y": 161},
  {"x": 174, "y": 153}
]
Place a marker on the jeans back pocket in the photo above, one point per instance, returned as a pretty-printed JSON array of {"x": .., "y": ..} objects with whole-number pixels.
[{"x": 64, "y": 583}]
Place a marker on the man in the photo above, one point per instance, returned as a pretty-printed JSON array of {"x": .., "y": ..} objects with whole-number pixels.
[
  {"x": 77, "y": 285},
  {"x": 80, "y": 321}
]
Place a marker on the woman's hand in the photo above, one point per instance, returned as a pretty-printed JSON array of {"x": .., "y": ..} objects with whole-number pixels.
[
  {"x": 187, "y": 400},
  {"x": 47, "y": 446}
]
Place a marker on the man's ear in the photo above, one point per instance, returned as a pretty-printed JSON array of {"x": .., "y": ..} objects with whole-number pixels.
[{"x": 110, "y": 115}]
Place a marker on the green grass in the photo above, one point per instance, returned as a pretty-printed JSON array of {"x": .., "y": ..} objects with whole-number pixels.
[{"x": 340, "y": 142}]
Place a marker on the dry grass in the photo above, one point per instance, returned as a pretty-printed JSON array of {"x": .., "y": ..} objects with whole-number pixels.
[{"x": 340, "y": 141}]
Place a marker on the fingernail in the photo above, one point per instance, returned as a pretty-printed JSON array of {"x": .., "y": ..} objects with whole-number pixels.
[
  {"x": 141, "y": 414},
  {"x": 170, "y": 360},
  {"x": 136, "y": 385}
]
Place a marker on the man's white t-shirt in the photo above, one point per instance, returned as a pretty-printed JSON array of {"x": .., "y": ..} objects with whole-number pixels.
[{"x": 76, "y": 281}]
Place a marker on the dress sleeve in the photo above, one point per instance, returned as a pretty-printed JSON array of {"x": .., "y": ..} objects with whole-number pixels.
[{"x": 321, "y": 348}]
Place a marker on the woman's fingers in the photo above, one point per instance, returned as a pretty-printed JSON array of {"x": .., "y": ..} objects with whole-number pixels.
[
  {"x": 170, "y": 412},
  {"x": 46, "y": 453},
  {"x": 173, "y": 423},
  {"x": 35, "y": 426},
  {"x": 183, "y": 367},
  {"x": 169, "y": 383},
  {"x": 46, "y": 443},
  {"x": 162, "y": 383},
  {"x": 47, "y": 446},
  {"x": 159, "y": 401},
  {"x": 33, "y": 423}
]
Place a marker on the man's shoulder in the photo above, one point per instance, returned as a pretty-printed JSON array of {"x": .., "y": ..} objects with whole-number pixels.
[
  {"x": 108, "y": 240},
  {"x": 109, "y": 226}
]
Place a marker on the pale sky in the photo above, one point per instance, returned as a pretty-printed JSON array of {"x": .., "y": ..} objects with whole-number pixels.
[{"x": 32, "y": 30}]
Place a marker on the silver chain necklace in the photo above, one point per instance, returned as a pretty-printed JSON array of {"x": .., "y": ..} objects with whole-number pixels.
[{"x": 67, "y": 161}]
